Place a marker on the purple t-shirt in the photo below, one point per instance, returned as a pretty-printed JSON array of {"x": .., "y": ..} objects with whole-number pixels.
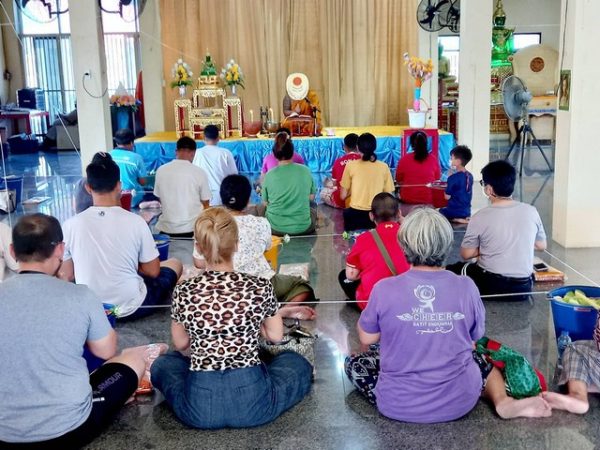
[
  {"x": 270, "y": 161},
  {"x": 428, "y": 322}
]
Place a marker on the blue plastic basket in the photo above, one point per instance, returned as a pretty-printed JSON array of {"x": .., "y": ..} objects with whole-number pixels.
[
  {"x": 162, "y": 245},
  {"x": 579, "y": 321}
]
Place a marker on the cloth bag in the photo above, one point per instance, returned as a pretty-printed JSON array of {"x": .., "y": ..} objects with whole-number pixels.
[
  {"x": 298, "y": 339},
  {"x": 521, "y": 379}
]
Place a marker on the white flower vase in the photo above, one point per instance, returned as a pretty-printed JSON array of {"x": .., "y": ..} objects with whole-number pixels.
[
  {"x": 182, "y": 90},
  {"x": 233, "y": 90}
]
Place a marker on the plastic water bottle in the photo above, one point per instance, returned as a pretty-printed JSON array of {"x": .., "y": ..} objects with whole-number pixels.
[{"x": 564, "y": 340}]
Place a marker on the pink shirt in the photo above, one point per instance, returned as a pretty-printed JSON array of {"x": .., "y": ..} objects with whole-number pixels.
[
  {"x": 271, "y": 162},
  {"x": 337, "y": 172}
]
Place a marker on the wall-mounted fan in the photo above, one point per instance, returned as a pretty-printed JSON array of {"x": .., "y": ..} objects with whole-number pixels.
[
  {"x": 516, "y": 100},
  {"x": 433, "y": 15},
  {"x": 129, "y": 10},
  {"x": 42, "y": 11}
]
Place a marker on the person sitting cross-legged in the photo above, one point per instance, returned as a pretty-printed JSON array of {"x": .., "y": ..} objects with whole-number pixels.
[
  {"x": 288, "y": 192},
  {"x": 113, "y": 252},
  {"x": 330, "y": 192},
  {"x": 132, "y": 168},
  {"x": 426, "y": 321},
  {"x": 376, "y": 254},
  {"x": 362, "y": 180},
  {"x": 49, "y": 399},
  {"x": 183, "y": 191},
  {"x": 216, "y": 161},
  {"x": 503, "y": 237},
  {"x": 255, "y": 240},
  {"x": 217, "y": 318},
  {"x": 580, "y": 374}
]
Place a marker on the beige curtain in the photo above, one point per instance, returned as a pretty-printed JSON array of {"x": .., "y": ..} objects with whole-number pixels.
[{"x": 351, "y": 51}]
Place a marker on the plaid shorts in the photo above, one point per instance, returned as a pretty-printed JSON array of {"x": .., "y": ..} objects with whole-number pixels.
[{"x": 581, "y": 361}]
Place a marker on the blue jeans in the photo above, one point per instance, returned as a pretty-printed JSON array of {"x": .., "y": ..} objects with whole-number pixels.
[{"x": 234, "y": 398}]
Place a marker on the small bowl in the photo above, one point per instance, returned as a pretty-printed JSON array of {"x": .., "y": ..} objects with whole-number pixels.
[
  {"x": 251, "y": 129},
  {"x": 272, "y": 127}
]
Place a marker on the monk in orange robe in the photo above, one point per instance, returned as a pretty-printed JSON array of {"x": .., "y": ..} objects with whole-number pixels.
[{"x": 301, "y": 107}]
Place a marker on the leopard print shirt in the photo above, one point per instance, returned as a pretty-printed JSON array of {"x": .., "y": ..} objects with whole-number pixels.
[{"x": 222, "y": 313}]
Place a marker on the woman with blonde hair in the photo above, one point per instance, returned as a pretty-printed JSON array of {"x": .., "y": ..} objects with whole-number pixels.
[{"x": 217, "y": 318}]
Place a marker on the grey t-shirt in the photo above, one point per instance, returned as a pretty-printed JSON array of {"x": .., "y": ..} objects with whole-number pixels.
[
  {"x": 45, "y": 387},
  {"x": 505, "y": 236}
]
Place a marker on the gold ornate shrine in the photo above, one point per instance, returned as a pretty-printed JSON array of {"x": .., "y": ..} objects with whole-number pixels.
[{"x": 209, "y": 106}]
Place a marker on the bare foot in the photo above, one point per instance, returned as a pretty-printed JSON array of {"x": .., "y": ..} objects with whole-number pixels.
[
  {"x": 527, "y": 407},
  {"x": 566, "y": 402},
  {"x": 300, "y": 312}
]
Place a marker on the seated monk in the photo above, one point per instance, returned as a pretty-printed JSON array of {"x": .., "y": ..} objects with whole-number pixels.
[{"x": 301, "y": 107}]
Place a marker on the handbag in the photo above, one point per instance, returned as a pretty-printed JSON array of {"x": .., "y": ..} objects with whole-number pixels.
[
  {"x": 297, "y": 339},
  {"x": 520, "y": 377}
]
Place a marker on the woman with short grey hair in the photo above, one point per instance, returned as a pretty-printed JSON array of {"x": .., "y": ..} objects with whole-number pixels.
[{"x": 426, "y": 321}]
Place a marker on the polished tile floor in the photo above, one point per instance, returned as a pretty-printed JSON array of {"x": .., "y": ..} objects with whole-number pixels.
[{"x": 333, "y": 416}]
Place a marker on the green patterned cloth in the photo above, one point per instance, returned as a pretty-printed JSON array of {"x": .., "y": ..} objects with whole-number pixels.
[{"x": 520, "y": 376}]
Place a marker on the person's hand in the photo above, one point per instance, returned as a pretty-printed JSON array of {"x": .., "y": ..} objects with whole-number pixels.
[{"x": 297, "y": 109}]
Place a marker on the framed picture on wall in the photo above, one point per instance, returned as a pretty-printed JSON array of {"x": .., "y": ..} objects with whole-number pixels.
[{"x": 564, "y": 90}]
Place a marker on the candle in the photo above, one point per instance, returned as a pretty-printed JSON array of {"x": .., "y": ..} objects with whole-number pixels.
[
  {"x": 270, "y": 114},
  {"x": 251, "y": 116}
]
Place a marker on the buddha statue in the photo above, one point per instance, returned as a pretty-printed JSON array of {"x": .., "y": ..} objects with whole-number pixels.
[
  {"x": 208, "y": 75},
  {"x": 502, "y": 38}
]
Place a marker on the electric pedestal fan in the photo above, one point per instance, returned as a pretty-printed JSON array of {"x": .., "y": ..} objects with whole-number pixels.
[{"x": 516, "y": 99}]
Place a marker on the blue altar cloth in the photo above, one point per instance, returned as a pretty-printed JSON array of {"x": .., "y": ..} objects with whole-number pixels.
[{"x": 318, "y": 152}]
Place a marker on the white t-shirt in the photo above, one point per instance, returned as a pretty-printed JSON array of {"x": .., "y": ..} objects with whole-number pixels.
[
  {"x": 254, "y": 241},
  {"x": 106, "y": 245},
  {"x": 181, "y": 186},
  {"x": 8, "y": 265},
  {"x": 217, "y": 162},
  {"x": 505, "y": 236}
]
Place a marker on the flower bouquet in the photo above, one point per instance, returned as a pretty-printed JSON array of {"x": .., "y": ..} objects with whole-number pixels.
[
  {"x": 124, "y": 100},
  {"x": 232, "y": 75},
  {"x": 421, "y": 71},
  {"x": 182, "y": 76}
]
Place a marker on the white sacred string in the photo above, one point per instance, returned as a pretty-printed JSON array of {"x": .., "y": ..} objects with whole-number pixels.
[
  {"x": 343, "y": 302},
  {"x": 572, "y": 268}
]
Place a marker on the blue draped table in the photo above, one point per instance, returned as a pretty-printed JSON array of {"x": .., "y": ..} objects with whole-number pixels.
[{"x": 318, "y": 152}]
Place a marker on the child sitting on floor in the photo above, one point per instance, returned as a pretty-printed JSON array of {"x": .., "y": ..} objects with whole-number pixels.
[
  {"x": 459, "y": 191},
  {"x": 581, "y": 374},
  {"x": 376, "y": 254},
  {"x": 330, "y": 194}
]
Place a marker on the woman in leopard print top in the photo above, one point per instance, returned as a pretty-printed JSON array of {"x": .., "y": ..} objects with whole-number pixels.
[{"x": 217, "y": 318}]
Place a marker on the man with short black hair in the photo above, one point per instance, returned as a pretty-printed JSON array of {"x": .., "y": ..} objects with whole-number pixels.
[
  {"x": 503, "y": 237},
  {"x": 49, "y": 400},
  {"x": 131, "y": 165},
  {"x": 183, "y": 191},
  {"x": 217, "y": 162},
  {"x": 376, "y": 254},
  {"x": 112, "y": 250}
]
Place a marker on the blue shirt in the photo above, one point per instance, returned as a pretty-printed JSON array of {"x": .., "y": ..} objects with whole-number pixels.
[
  {"x": 460, "y": 190},
  {"x": 132, "y": 167}
]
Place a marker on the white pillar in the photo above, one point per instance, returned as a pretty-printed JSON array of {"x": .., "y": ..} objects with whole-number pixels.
[
  {"x": 576, "y": 212},
  {"x": 474, "y": 82},
  {"x": 428, "y": 48},
  {"x": 152, "y": 67},
  {"x": 87, "y": 43}
]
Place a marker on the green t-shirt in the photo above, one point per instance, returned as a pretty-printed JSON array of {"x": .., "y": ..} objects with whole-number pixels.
[{"x": 286, "y": 189}]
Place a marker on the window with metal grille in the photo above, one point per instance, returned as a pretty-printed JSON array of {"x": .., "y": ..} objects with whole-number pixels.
[{"x": 48, "y": 62}]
